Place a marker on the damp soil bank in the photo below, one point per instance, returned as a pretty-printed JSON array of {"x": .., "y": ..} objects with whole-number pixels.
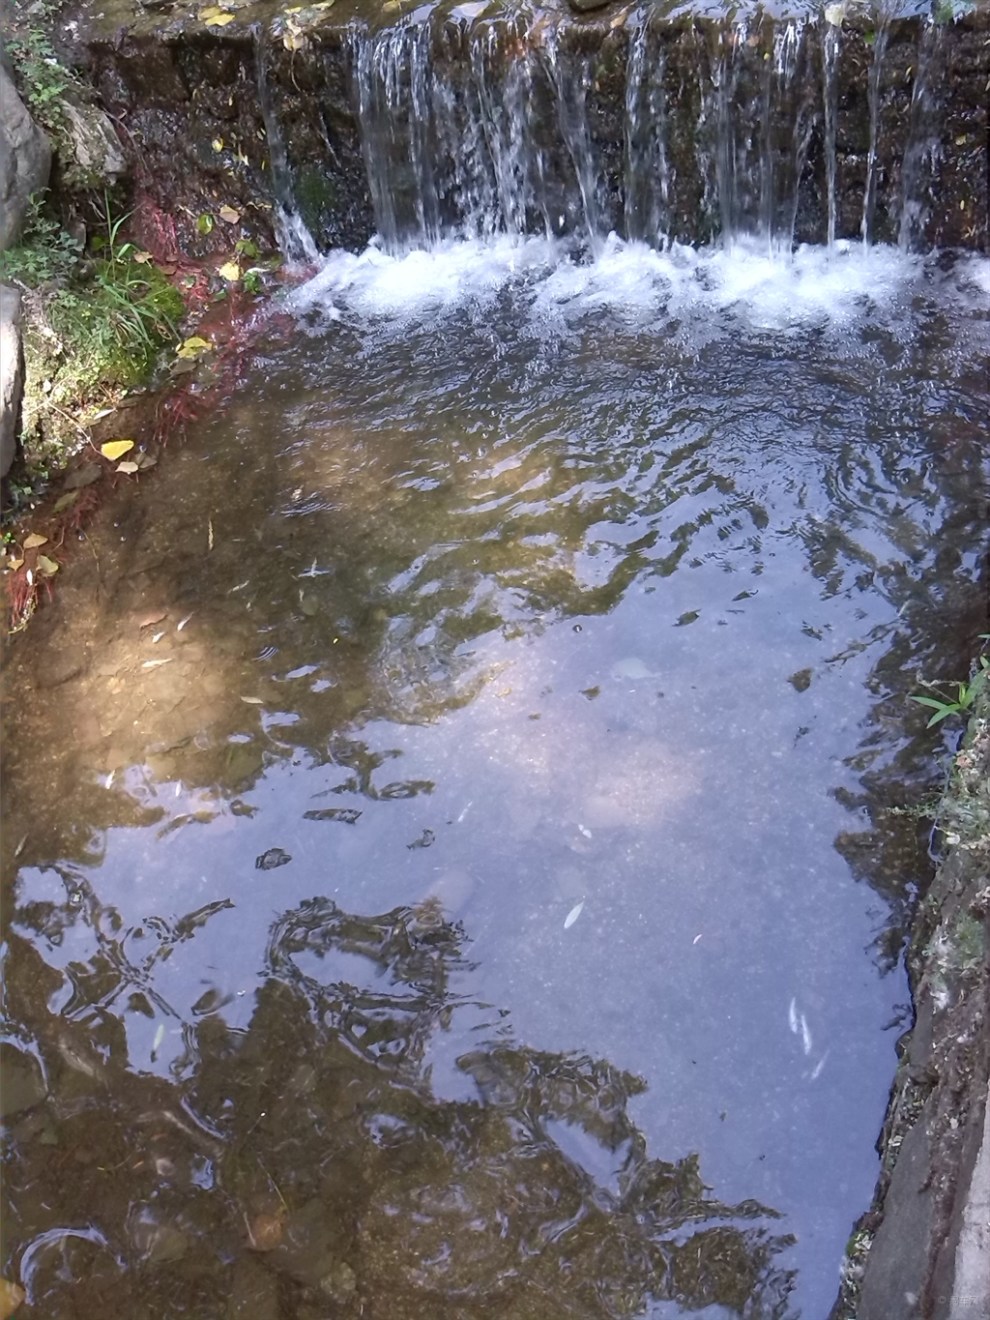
[{"x": 923, "y": 1248}]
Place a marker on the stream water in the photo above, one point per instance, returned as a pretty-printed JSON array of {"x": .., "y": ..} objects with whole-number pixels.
[{"x": 458, "y": 829}]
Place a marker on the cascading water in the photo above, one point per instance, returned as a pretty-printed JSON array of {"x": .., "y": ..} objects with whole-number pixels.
[
  {"x": 922, "y": 149},
  {"x": 479, "y": 126}
]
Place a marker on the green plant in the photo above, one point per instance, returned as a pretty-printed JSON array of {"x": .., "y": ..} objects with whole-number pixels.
[
  {"x": 42, "y": 80},
  {"x": 966, "y": 694},
  {"x": 45, "y": 254}
]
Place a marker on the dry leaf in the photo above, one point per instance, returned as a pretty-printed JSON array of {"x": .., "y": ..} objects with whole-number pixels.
[
  {"x": 14, "y": 564},
  {"x": 129, "y": 466},
  {"x": 253, "y": 701},
  {"x": 230, "y": 271},
  {"x": 145, "y": 461},
  {"x": 229, "y": 214},
  {"x": 193, "y": 346},
  {"x": 265, "y": 1231},
  {"x": 47, "y": 567},
  {"x": 217, "y": 144},
  {"x": 142, "y": 258},
  {"x": 33, "y": 540},
  {"x": 214, "y": 16},
  {"x": 116, "y": 448},
  {"x": 11, "y": 1296}
]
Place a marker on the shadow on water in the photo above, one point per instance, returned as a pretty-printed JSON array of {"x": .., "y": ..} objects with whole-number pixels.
[
  {"x": 305, "y": 1165},
  {"x": 585, "y": 662}
]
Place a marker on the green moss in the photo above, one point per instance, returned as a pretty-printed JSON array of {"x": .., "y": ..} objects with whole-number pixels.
[{"x": 315, "y": 196}]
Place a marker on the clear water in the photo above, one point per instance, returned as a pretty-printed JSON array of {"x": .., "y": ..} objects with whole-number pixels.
[{"x": 492, "y": 904}]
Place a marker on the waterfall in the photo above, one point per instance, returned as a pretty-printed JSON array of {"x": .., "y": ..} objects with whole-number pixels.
[
  {"x": 920, "y": 155},
  {"x": 512, "y": 124},
  {"x": 830, "y": 97},
  {"x": 873, "y": 97},
  {"x": 294, "y": 239}
]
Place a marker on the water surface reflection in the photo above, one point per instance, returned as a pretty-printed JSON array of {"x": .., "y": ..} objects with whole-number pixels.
[{"x": 579, "y": 649}]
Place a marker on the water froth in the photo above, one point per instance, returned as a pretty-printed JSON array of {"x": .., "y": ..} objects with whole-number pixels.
[{"x": 742, "y": 284}]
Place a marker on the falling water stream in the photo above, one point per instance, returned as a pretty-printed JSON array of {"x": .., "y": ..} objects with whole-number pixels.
[{"x": 460, "y": 818}]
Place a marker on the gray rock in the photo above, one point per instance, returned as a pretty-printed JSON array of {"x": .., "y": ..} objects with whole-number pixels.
[
  {"x": 25, "y": 161},
  {"x": 11, "y": 375},
  {"x": 93, "y": 145}
]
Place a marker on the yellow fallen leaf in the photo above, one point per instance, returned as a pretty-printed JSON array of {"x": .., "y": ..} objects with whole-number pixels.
[
  {"x": 217, "y": 144},
  {"x": 129, "y": 467},
  {"x": 230, "y": 271},
  {"x": 34, "y": 539},
  {"x": 11, "y": 1296},
  {"x": 229, "y": 214},
  {"x": 47, "y": 567},
  {"x": 193, "y": 346},
  {"x": 116, "y": 448},
  {"x": 14, "y": 564},
  {"x": 214, "y": 16}
]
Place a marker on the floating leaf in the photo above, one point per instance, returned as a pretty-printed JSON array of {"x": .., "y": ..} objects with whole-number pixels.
[
  {"x": 47, "y": 567},
  {"x": 193, "y": 346},
  {"x": 214, "y": 16},
  {"x": 230, "y": 215},
  {"x": 113, "y": 449},
  {"x": 205, "y": 224},
  {"x": 128, "y": 467},
  {"x": 573, "y": 915},
  {"x": 33, "y": 540},
  {"x": 230, "y": 271}
]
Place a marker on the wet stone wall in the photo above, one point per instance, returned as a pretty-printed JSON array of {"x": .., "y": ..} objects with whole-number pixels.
[{"x": 654, "y": 123}]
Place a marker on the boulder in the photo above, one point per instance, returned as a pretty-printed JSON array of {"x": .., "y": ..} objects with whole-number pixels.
[
  {"x": 11, "y": 375},
  {"x": 25, "y": 161},
  {"x": 93, "y": 148}
]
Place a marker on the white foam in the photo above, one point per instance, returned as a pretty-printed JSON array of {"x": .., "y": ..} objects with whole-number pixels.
[{"x": 813, "y": 286}]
